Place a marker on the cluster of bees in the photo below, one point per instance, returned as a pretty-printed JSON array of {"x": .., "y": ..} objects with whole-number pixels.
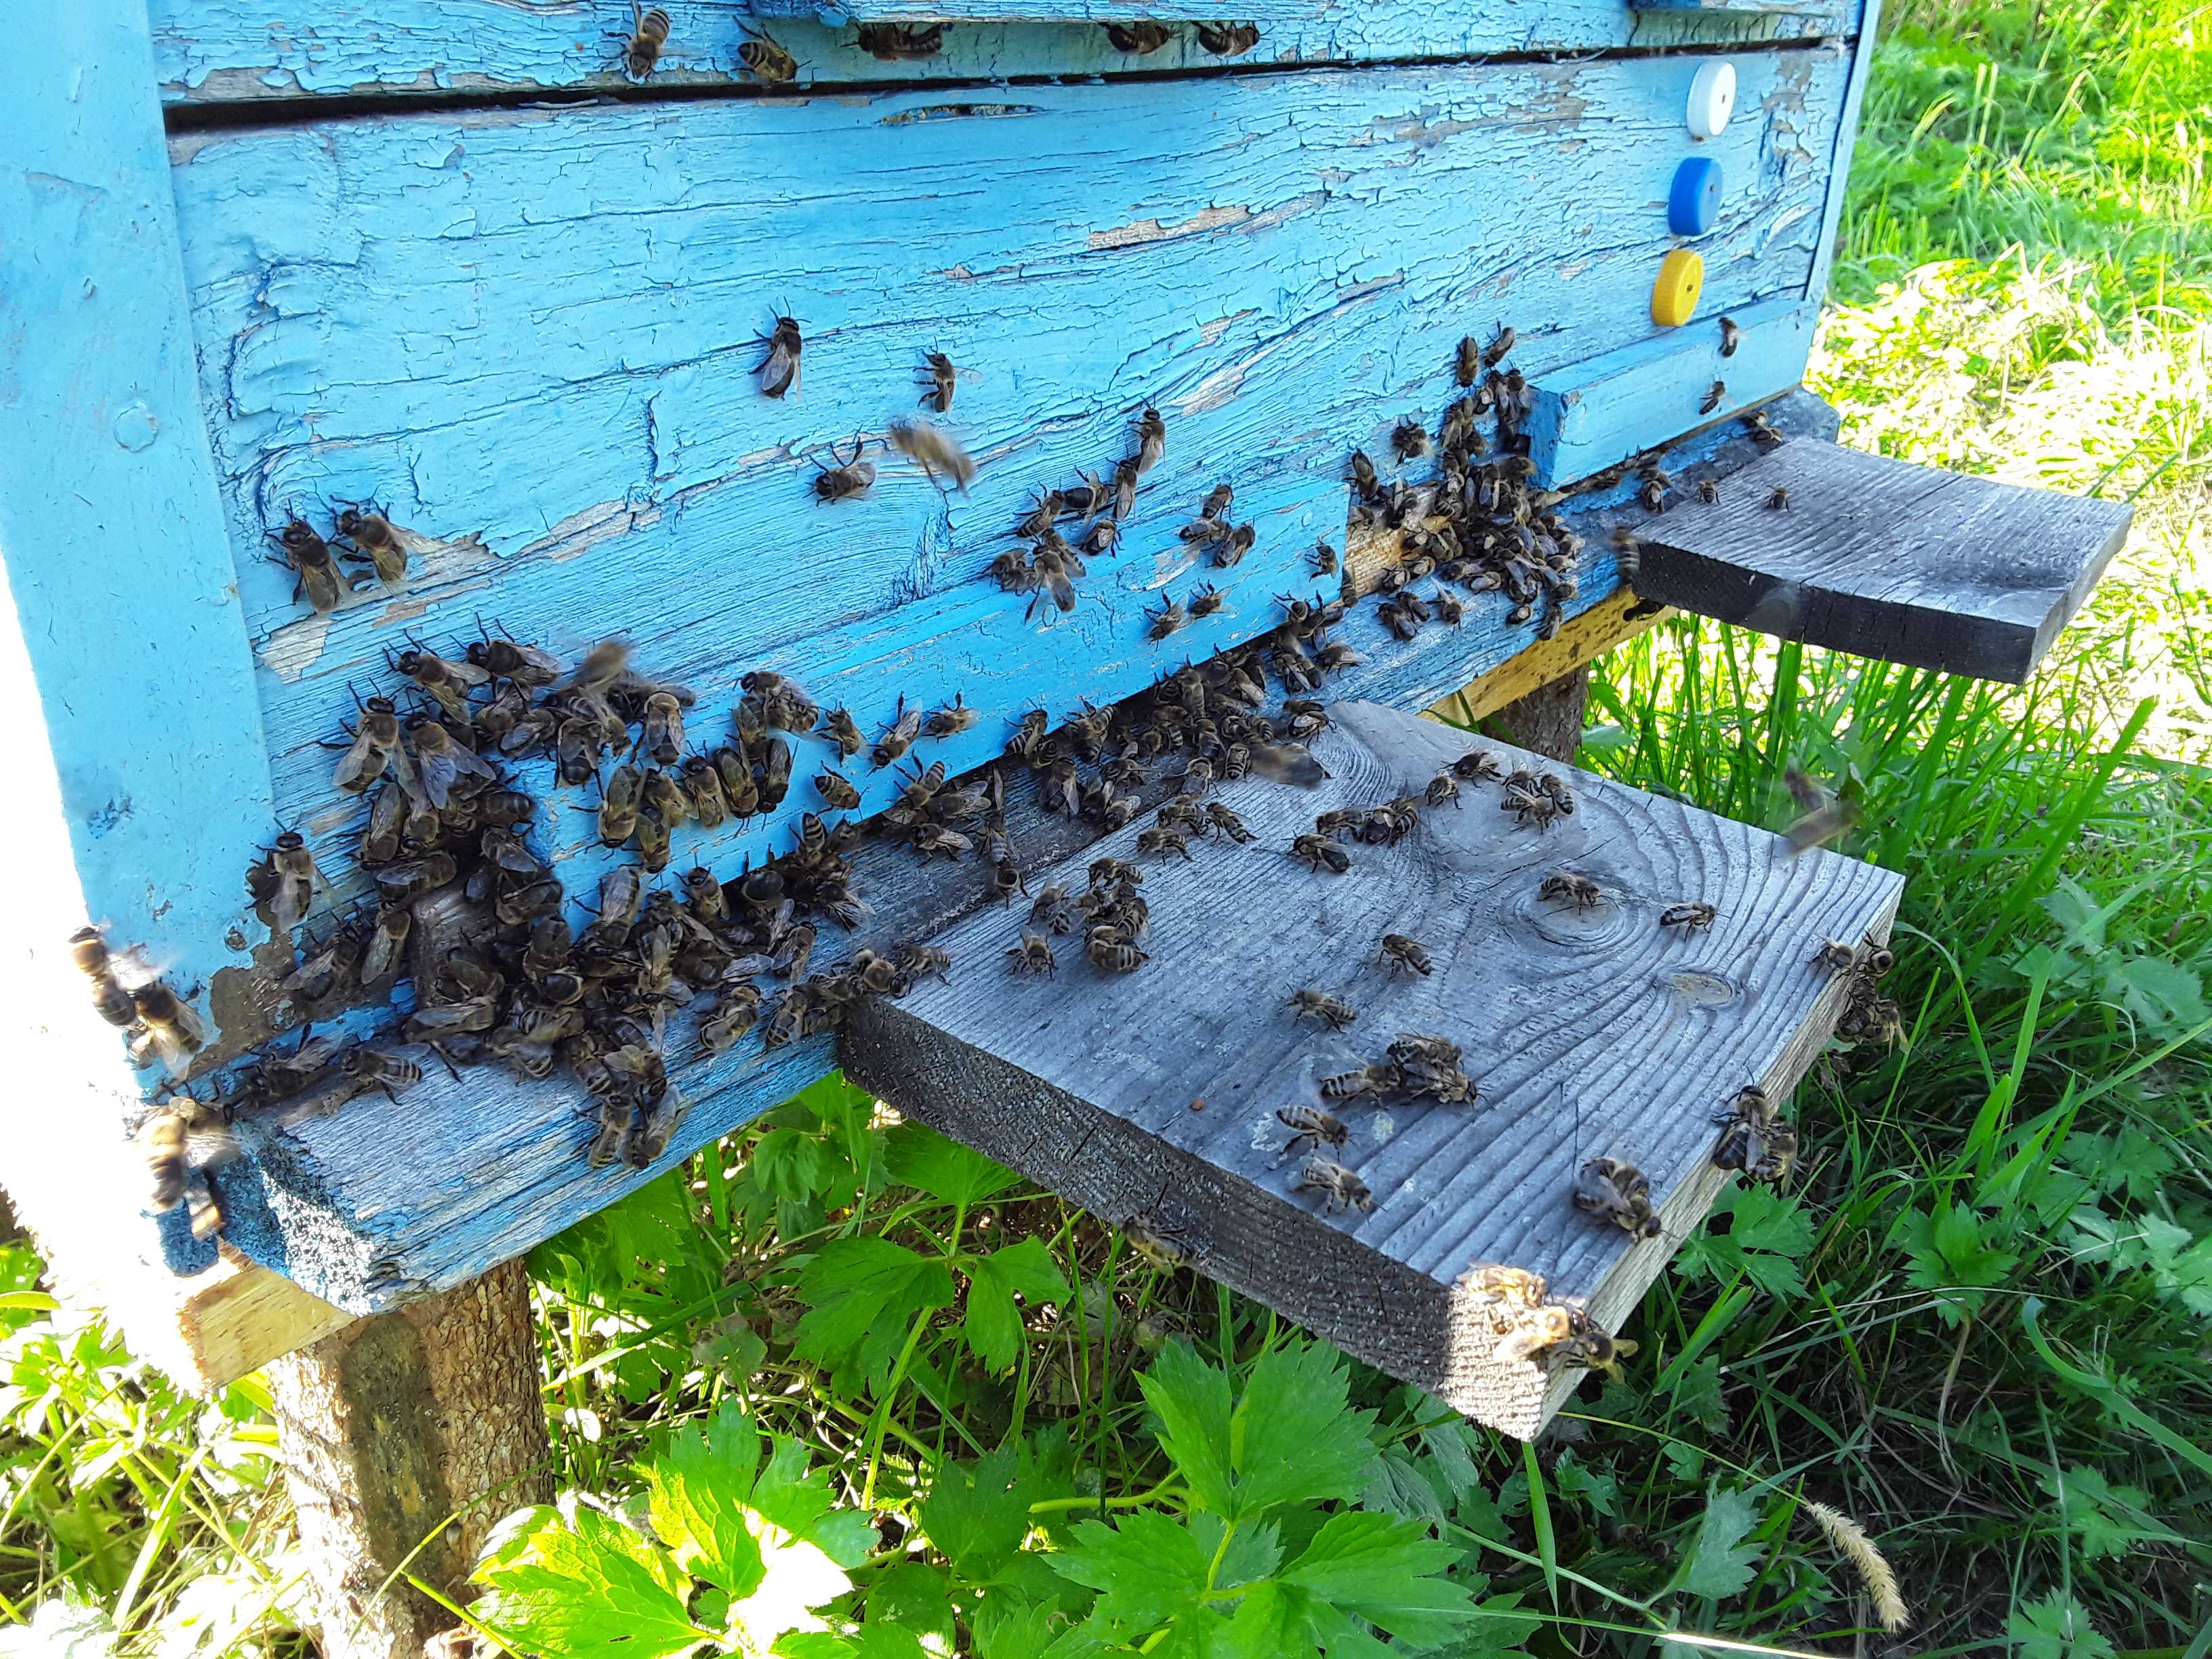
[
  {"x": 892, "y": 43},
  {"x": 1049, "y": 567}
]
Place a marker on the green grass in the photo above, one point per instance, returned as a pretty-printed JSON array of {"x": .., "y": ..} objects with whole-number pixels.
[{"x": 1977, "y": 1323}]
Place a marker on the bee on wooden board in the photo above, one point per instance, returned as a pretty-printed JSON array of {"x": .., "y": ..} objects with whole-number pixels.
[
  {"x": 938, "y": 379},
  {"x": 1709, "y": 491},
  {"x": 88, "y": 950},
  {"x": 835, "y": 790},
  {"x": 172, "y": 1028},
  {"x": 1753, "y": 1140},
  {"x": 503, "y": 658},
  {"x": 898, "y": 737},
  {"x": 1324, "y": 559},
  {"x": 771, "y": 62},
  {"x": 1731, "y": 335},
  {"x": 1139, "y": 39},
  {"x": 1409, "y": 440},
  {"x": 1166, "y": 620},
  {"x": 1320, "y": 854},
  {"x": 379, "y": 1068},
  {"x": 1715, "y": 395},
  {"x": 1152, "y": 429},
  {"x": 642, "y": 45},
  {"x": 1400, "y": 954},
  {"x": 292, "y": 879},
  {"x": 1335, "y": 1012},
  {"x": 1340, "y": 1189},
  {"x": 1617, "y": 1192},
  {"x": 1692, "y": 918},
  {"x": 1571, "y": 888},
  {"x": 1032, "y": 956},
  {"x": 892, "y": 43},
  {"x": 1500, "y": 344},
  {"x": 1225, "y": 39},
  {"x": 933, "y": 450},
  {"x": 1778, "y": 501},
  {"x": 376, "y": 543},
  {"x": 848, "y": 479},
  {"x": 1382, "y": 1078},
  {"x": 1587, "y": 1344},
  {"x": 841, "y": 729},
  {"x": 1311, "y": 1128},
  {"x": 779, "y": 368},
  {"x": 1443, "y": 789},
  {"x": 1112, "y": 950},
  {"x": 308, "y": 557},
  {"x": 1163, "y": 841}
]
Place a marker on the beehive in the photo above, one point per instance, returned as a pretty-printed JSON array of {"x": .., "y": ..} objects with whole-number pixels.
[{"x": 460, "y": 261}]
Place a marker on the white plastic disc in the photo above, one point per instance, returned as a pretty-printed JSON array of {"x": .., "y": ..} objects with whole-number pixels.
[{"x": 1712, "y": 99}]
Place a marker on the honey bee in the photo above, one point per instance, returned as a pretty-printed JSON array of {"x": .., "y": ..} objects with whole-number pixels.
[
  {"x": 448, "y": 683},
  {"x": 652, "y": 838},
  {"x": 1709, "y": 491},
  {"x": 1652, "y": 492},
  {"x": 833, "y": 789},
  {"x": 1163, "y": 841},
  {"x": 938, "y": 379},
  {"x": 163, "y": 1141},
  {"x": 1112, "y": 950},
  {"x": 1617, "y": 1192},
  {"x": 776, "y": 774},
  {"x": 1874, "y": 959},
  {"x": 1340, "y": 1189},
  {"x": 772, "y": 63},
  {"x": 376, "y": 749},
  {"x": 1204, "y": 600},
  {"x": 1753, "y": 1140},
  {"x": 1587, "y": 1344},
  {"x": 172, "y": 1028},
  {"x": 308, "y": 555},
  {"x": 641, "y": 46},
  {"x": 1500, "y": 343},
  {"x": 1228, "y": 40},
  {"x": 383, "y": 958},
  {"x": 1571, "y": 888},
  {"x": 735, "y": 772},
  {"x": 1731, "y": 335},
  {"x": 917, "y": 961},
  {"x": 1152, "y": 429},
  {"x": 1835, "y": 958},
  {"x": 1166, "y": 620},
  {"x": 1715, "y": 395},
  {"x": 933, "y": 449},
  {"x": 891, "y": 43},
  {"x": 847, "y": 478},
  {"x": 1321, "y": 852},
  {"x": 839, "y": 727},
  {"x": 1032, "y": 956},
  {"x": 1441, "y": 788},
  {"x": 1823, "y": 816},
  {"x": 1409, "y": 440},
  {"x": 375, "y": 543},
  {"x": 1311, "y": 1128},
  {"x": 1324, "y": 559},
  {"x": 88, "y": 950},
  {"x": 1401, "y": 953},
  {"x": 1379, "y": 1079},
  {"x": 663, "y": 739},
  {"x": 899, "y": 737},
  {"x": 1689, "y": 918},
  {"x": 1336, "y": 1011},
  {"x": 950, "y": 721},
  {"x": 379, "y": 1068},
  {"x": 1222, "y": 818},
  {"x": 506, "y": 660},
  {"x": 441, "y": 762},
  {"x": 1139, "y": 39},
  {"x": 1125, "y": 486},
  {"x": 621, "y": 797}
]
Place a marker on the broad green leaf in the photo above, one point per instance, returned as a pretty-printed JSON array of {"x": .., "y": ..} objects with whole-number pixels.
[
  {"x": 1720, "y": 1563},
  {"x": 697, "y": 1489},
  {"x": 790, "y": 1496},
  {"x": 1025, "y": 1268},
  {"x": 788, "y": 1163},
  {"x": 1193, "y": 1401},
  {"x": 1146, "y": 1570},
  {"x": 799, "y": 1578},
  {"x": 977, "y": 1514},
  {"x": 2164, "y": 995},
  {"x": 1398, "y": 1485},
  {"x": 1451, "y": 1445},
  {"x": 1254, "y": 1551},
  {"x": 2056, "y": 1627},
  {"x": 1267, "y": 1624},
  {"x": 592, "y": 1591},
  {"x": 911, "y": 1595},
  {"x": 862, "y": 1295},
  {"x": 1594, "y": 1487},
  {"x": 1761, "y": 1219},
  {"x": 1295, "y": 1437},
  {"x": 1386, "y": 1571},
  {"x": 915, "y": 1155}
]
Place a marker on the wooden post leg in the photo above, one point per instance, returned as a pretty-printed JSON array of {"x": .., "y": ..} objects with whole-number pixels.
[
  {"x": 395, "y": 1424},
  {"x": 1549, "y": 720}
]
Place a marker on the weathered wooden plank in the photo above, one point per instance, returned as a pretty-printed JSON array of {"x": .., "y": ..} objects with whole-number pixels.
[
  {"x": 1847, "y": 133},
  {"x": 1884, "y": 558},
  {"x": 1589, "y": 414},
  {"x": 381, "y": 1201},
  {"x": 218, "y": 52},
  {"x": 1152, "y": 1096}
]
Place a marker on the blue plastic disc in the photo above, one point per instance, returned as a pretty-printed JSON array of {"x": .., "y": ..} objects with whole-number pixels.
[{"x": 1695, "y": 201}]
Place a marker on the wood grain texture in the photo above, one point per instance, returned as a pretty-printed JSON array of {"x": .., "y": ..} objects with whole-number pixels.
[
  {"x": 405, "y": 1438},
  {"x": 380, "y": 1201},
  {"x": 1548, "y": 721},
  {"x": 212, "y": 53},
  {"x": 1227, "y": 227},
  {"x": 1588, "y": 1033},
  {"x": 1886, "y": 559},
  {"x": 1590, "y": 414}
]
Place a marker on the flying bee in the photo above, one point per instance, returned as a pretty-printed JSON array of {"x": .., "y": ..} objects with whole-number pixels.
[
  {"x": 1340, "y": 1189},
  {"x": 771, "y": 62},
  {"x": 1112, "y": 950},
  {"x": 309, "y": 556},
  {"x": 1617, "y": 1192},
  {"x": 847, "y": 478},
  {"x": 621, "y": 797},
  {"x": 376, "y": 749},
  {"x": 1715, "y": 395},
  {"x": 1228, "y": 40},
  {"x": 163, "y": 1143},
  {"x": 950, "y": 721},
  {"x": 1139, "y": 39},
  {"x": 448, "y": 683},
  {"x": 1321, "y": 852},
  {"x": 1032, "y": 956},
  {"x": 938, "y": 380},
  {"x": 641, "y": 46},
  {"x": 1572, "y": 888},
  {"x": 1823, "y": 816},
  {"x": 88, "y": 950},
  {"x": 172, "y": 1028},
  {"x": 1311, "y": 1128},
  {"x": 891, "y": 43},
  {"x": 833, "y": 789},
  {"x": 1409, "y": 440},
  {"x": 1731, "y": 335},
  {"x": 933, "y": 450},
  {"x": 1399, "y": 952},
  {"x": 1835, "y": 958},
  {"x": 1335, "y": 1010},
  {"x": 1689, "y": 918},
  {"x": 899, "y": 737}
]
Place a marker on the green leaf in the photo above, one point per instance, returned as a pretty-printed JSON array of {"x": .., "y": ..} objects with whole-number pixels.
[
  {"x": 788, "y": 1163},
  {"x": 1267, "y": 1625},
  {"x": 1761, "y": 1219},
  {"x": 1146, "y": 1570},
  {"x": 1025, "y": 1269},
  {"x": 1949, "y": 1253},
  {"x": 1193, "y": 1401},
  {"x": 1398, "y": 1485},
  {"x": 696, "y": 1492},
  {"x": 1388, "y": 1571},
  {"x": 2056, "y": 1626},
  {"x": 1006, "y": 1628},
  {"x": 589, "y": 1589},
  {"x": 862, "y": 1294},
  {"x": 1594, "y": 1487},
  {"x": 915, "y": 1155},
  {"x": 790, "y": 1496},
  {"x": 911, "y": 1595},
  {"x": 1720, "y": 1563},
  {"x": 1291, "y": 1438},
  {"x": 2164, "y": 995},
  {"x": 977, "y": 1514},
  {"x": 1254, "y": 1552}
]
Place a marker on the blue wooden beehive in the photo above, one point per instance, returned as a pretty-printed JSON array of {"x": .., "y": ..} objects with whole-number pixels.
[{"x": 453, "y": 258}]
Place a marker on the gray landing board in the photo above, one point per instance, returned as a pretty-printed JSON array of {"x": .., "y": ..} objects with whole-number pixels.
[
  {"x": 1151, "y": 1097},
  {"x": 1885, "y": 558}
]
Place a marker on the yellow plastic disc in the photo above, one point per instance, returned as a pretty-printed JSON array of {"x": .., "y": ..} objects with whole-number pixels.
[{"x": 1674, "y": 296}]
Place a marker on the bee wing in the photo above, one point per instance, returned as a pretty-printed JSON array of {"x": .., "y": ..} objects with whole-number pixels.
[
  {"x": 434, "y": 774},
  {"x": 466, "y": 672},
  {"x": 467, "y": 760},
  {"x": 359, "y": 766},
  {"x": 289, "y": 907},
  {"x": 390, "y": 564},
  {"x": 515, "y": 857},
  {"x": 779, "y": 373}
]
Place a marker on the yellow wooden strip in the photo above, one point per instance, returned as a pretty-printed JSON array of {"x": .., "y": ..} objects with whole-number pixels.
[{"x": 1578, "y": 644}]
